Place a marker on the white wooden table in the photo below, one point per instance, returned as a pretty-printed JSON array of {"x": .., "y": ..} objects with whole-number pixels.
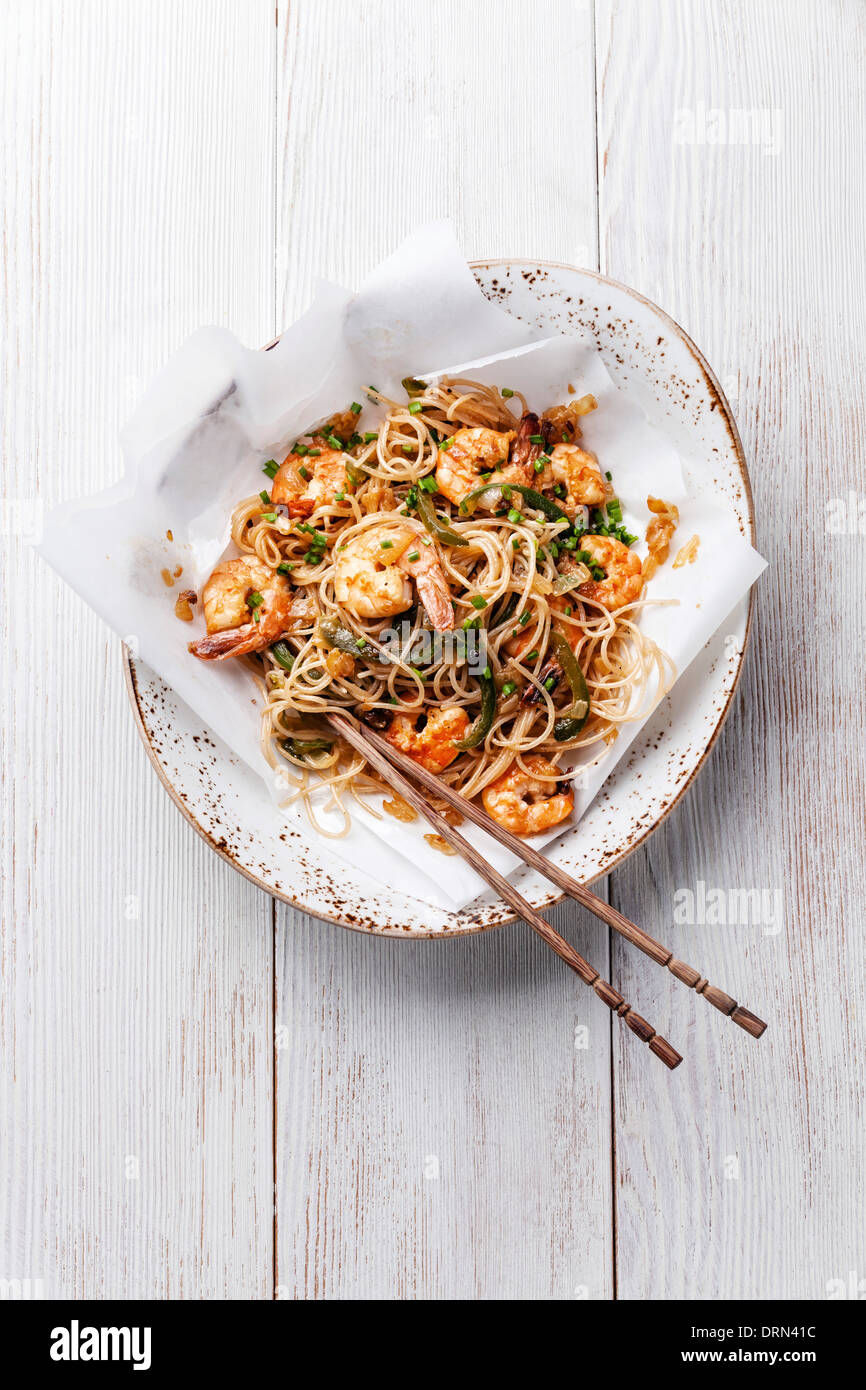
[{"x": 206, "y": 1095}]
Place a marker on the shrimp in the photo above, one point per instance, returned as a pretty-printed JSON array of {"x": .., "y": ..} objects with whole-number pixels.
[
  {"x": 524, "y": 804},
  {"x": 470, "y": 452},
  {"x": 372, "y": 575},
  {"x": 303, "y": 483},
  {"x": 247, "y": 607},
  {"x": 429, "y": 739},
  {"x": 624, "y": 581},
  {"x": 578, "y": 472}
]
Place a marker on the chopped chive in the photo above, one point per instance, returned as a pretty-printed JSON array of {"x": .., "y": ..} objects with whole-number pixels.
[
  {"x": 413, "y": 556},
  {"x": 428, "y": 483},
  {"x": 334, "y": 442},
  {"x": 415, "y": 407},
  {"x": 304, "y": 472},
  {"x": 387, "y": 545},
  {"x": 487, "y": 673},
  {"x": 536, "y": 439},
  {"x": 446, "y": 443},
  {"x": 532, "y": 656},
  {"x": 507, "y": 392},
  {"x": 339, "y": 496},
  {"x": 272, "y": 468},
  {"x": 265, "y": 496},
  {"x": 355, "y": 408},
  {"x": 478, "y": 602},
  {"x": 550, "y": 683},
  {"x": 524, "y": 618},
  {"x": 408, "y": 448},
  {"x": 285, "y": 568},
  {"x": 254, "y": 599},
  {"x": 515, "y": 517},
  {"x": 361, "y": 642},
  {"x": 515, "y": 543},
  {"x": 269, "y": 516},
  {"x": 567, "y": 610},
  {"x": 314, "y": 453},
  {"x": 469, "y": 623},
  {"x": 508, "y": 689},
  {"x": 370, "y": 436},
  {"x": 538, "y": 466}
]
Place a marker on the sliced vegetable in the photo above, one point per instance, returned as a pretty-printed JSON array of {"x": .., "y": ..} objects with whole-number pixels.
[
  {"x": 303, "y": 747},
  {"x": 413, "y": 387},
  {"x": 566, "y": 582},
  {"x": 432, "y": 523},
  {"x": 571, "y": 722},
  {"x": 282, "y": 655},
  {"x": 483, "y": 724},
  {"x": 341, "y": 637}
]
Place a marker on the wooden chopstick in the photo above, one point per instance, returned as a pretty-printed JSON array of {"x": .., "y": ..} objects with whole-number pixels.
[
  {"x": 661, "y": 954},
  {"x": 384, "y": 762}
]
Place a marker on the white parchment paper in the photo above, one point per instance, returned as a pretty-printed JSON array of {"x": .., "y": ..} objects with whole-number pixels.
[{"x": 196, "y": 443}]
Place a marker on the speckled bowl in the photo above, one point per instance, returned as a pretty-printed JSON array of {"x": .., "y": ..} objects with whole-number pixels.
[{"x": 649, "y": 355}]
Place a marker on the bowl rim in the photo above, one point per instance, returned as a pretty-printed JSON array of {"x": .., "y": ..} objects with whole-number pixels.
[{"x": 715, "y": 388}]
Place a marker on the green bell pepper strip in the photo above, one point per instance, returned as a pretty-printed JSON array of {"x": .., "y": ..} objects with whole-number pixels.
[
  {"x": 482, "y": 726},
  {"x": 413, "y": 387},
  {"x": 536, "y": 500},
  {"x": 569, "y": 724},
  {"x": 300, "y": 747},
  {"x": 340, "y": 637},
  {"x": 541, "y": 503},
  {"x": 282, "y": 656},
  {"x": 437, "y": 528}
]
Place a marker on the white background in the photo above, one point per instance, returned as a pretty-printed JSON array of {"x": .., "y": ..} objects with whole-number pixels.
[{"x": 206, "y": 1095}]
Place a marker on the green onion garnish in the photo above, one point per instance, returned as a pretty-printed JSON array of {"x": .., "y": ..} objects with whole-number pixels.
[
  {"x": 415, "y": 407},
  {"x": 515, "y": 517},
  {"x": 265, "y": 496},
  {"x": 413, "y": 556},
  {"x": 272, "y": 468},
  {"x": 478, "y": 602},
  {"x": 507, "y": 392},
  {"x": 370, "y": 436},
  {"x": 355, "y": 408},
  {"x": 508, "y": 689}
]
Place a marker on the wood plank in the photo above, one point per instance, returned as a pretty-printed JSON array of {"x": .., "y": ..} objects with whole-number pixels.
[
  {"x": 442, "y": 1128},
  {"x": 137, "y": 149},
  {"x": 741, "y": 1176}
]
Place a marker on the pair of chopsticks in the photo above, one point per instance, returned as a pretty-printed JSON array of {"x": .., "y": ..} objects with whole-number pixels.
[{"x": 396, "y": 769}]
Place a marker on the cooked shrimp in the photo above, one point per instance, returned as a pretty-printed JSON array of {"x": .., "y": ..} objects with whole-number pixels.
[
  {"x": 303, "y": 483},
  {"x": 578, "y": 472},
  {"x": 623, "y": 582},
  {"x": 247, "y": 607},
  {"x": 470, "y": 452},
  {"x": 523, "y": 803},
  {"x": 429, "y": 739},
  {"x": 372, "y": 575}
]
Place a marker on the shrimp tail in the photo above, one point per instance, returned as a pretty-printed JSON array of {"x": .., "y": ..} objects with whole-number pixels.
[
  {"x": 234, "y": 641},
  {"x": 523, "y": 451},
  {"x": 436, "y": 599}
]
